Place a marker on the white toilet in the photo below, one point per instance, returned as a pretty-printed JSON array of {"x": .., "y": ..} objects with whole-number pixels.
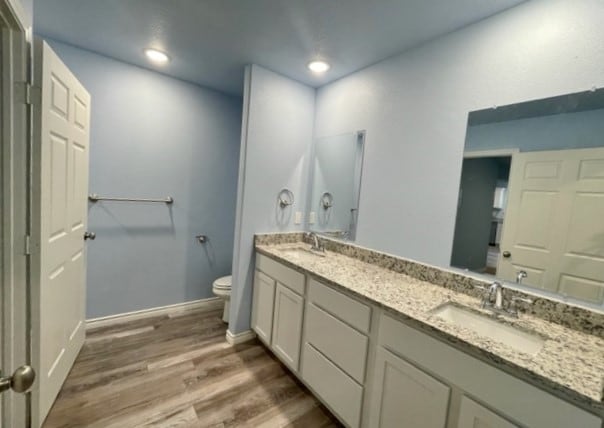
[{"x": 222, "y": 288}]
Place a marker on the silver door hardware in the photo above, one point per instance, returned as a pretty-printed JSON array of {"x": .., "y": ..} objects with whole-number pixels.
[
  {"x": 202, "y": 239},
  {"x": 21, "y": 380},
  {"x": 89, "y": 235}
]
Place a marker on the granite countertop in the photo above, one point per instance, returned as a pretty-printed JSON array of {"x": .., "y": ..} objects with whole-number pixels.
[{"x": 570, "y": 364}]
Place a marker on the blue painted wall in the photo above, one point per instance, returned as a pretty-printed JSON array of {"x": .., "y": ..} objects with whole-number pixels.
[
  {"x": 415, "y": 106},
  {"x": 277, "y": 135},
  {"x": 154, "y": 136},
  {"x": 557, "y": 132}
]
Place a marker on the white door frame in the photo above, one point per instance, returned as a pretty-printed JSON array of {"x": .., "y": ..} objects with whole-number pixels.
[
  {"x": 495, "y": 153},
  {"x": 14, "y": 216}
]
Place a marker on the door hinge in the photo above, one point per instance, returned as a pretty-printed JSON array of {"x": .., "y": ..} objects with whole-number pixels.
[
  {"x": 27, "y": 93},
  {"x": 28, "y": 96},
  {"x": 27, "y": 245}
]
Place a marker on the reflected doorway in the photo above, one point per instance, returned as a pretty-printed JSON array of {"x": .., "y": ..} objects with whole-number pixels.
[{"x": 481, "y": 212}]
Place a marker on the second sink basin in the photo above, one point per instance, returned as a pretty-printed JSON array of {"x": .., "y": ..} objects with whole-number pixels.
[
  {"x": 304, "y": 250},
  {"x": 484, "y": 326}
]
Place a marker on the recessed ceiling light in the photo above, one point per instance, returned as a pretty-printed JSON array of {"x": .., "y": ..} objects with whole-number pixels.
[
  {"x": 318, "y": 66},
  {"x": 156, "y": 56}
]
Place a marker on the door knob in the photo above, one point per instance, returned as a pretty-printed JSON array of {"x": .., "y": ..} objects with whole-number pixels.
[
  {"x": 21, "y": 380},
  {"x": 507, "y": 254},
  {"x": 89, "y": 235}
]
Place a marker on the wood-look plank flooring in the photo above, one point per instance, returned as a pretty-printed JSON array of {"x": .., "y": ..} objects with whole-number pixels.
[{"x": 178, "y": 371}]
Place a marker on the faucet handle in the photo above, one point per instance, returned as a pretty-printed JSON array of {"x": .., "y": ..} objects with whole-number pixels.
[
  {"x": 486, "y": 294},
  {"x": 480, "y": 287},
  {"x": 495, "y": 285},
  {"x": 513, "y": 308},
  {"x": 523, "y": 300},
  {"x": 520, "y": 276}
]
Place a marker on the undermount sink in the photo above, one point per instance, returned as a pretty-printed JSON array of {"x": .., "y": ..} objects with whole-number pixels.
[
  {"x": 484, "y": 326},
  {"x": 304, "y": 250}
]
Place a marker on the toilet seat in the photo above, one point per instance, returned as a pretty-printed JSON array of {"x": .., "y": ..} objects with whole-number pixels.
[
  {"x": 222, "y": 288},
  {"x": 223, "y": 283}
]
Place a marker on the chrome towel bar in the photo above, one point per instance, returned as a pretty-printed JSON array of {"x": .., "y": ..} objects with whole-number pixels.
[{"x": 95, "y": 198}]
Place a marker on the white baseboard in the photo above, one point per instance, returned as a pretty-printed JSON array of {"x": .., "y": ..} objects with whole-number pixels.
[
  {"x": 236, "y": 339},
  {"x": 209, "y": 304}
]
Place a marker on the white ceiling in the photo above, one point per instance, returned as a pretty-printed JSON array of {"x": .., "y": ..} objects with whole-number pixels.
[{"x": 210, "y": 41}]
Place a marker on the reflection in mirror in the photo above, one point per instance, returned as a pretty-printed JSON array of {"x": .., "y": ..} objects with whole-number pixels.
[
  {"x": 335, "y": 185},
  {"x": 531, "y": 197}
]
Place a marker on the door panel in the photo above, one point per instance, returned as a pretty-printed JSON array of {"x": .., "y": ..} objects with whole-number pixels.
[
  {"x": 262, "y": 306},
  {"x": 553, "y": 225},
  {"x": 530, "y": 219},
  {"x": 406, "y": 396},
  {"x": 60, "y": 188},
  {"x": 473, "y": 415},
  {"x": 287, "y": 326},
  {"x": 14, "y": 219}
]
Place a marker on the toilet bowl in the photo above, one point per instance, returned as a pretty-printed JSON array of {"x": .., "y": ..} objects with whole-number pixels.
[{"x": 222, "y": 288}]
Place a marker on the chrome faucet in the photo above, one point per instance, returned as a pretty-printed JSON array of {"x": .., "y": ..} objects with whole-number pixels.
[
  {"x": 316, "y": 246},
  {"x": 520, "y": 276},
  {"x": 494, "y": 300},
  {"x": 494, "y": 297}
]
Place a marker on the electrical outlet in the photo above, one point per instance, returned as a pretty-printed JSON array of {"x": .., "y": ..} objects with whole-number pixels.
[
  {"x": 298, "y": 217},
  {"x": 313, "y": 217}
]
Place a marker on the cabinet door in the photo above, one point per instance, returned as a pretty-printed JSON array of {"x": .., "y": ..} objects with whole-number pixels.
[
  {"x": 262, "y": 306},
  {"x": 287, "y": 326},
  {"x": 473, "y": 415},
  {"x": 404, "y": 396}
]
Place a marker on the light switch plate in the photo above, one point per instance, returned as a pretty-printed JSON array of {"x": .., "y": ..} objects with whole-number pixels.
[
  {"x": 298, "y": 217},
  {"x": 312, "y": 218}
]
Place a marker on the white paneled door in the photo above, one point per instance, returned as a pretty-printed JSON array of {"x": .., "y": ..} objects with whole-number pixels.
[
  {"x": 59, "y": 220},
  {"x": 554, "y": 228}
]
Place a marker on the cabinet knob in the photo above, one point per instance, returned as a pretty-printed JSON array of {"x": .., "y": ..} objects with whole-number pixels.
[{"x": 507, "y": 254}]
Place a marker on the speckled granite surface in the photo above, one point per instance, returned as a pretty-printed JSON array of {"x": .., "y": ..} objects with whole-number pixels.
[
  {"x": 570, "y": 364},
  {"x": 554, "y": 311}
]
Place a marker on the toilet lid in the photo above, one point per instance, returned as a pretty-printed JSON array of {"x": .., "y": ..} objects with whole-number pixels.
[{"x": 224, "y": 282}]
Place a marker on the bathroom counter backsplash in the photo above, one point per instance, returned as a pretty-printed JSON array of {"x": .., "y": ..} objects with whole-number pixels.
[{"x": 570, "y": 364}]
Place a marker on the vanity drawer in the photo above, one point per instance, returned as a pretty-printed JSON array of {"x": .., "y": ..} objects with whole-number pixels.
[
  {"x": 285, "y": 275},
  {"x": 343, "y": 345},
  {"x": 352, "y": 312},
  {"x": 341, "y": 394}
]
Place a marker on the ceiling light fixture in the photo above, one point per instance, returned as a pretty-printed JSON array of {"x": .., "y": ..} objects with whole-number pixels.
[
  {"x": 318, "y": 66},
  {"x": 156, "y": 56}
]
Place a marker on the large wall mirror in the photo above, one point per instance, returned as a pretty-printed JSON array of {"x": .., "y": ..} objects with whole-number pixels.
[
  {"x": 531, "y": 198},
  {"x": 335, "y": 185}
]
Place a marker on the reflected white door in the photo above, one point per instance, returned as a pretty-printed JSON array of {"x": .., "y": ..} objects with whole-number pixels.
[
  {"x": 553, "y": 225},
  {"x": 59, "y": 211}
]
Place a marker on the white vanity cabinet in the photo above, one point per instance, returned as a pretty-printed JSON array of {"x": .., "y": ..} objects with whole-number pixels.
[
  {"x": 513, "y": 400},
  {"x": 278, "y": 309},
  {"x": 287, "y": 325},
  {"x": 334, "y": 357},
  {"x": 404, "y": 396},
  {"x": 472, "y": 414},
  {"x": 262, "y": 306},
  {"x": 374, "y": 371}
]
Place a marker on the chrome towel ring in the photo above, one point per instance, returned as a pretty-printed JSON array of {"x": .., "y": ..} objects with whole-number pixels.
[{"x": 285, "y": 198}]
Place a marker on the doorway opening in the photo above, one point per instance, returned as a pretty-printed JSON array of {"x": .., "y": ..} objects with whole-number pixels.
[{"x": 481, "y": 210}]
